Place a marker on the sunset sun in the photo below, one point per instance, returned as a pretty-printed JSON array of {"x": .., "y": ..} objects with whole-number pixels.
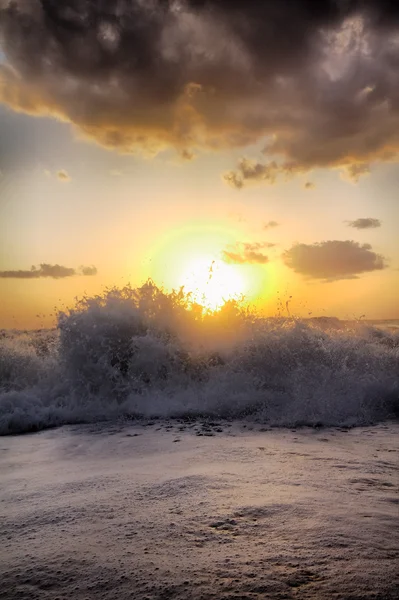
[{"x": 211, "y": 282}]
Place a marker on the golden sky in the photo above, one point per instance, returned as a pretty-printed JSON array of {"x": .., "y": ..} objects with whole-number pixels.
[{"x": 237, "y": 149}]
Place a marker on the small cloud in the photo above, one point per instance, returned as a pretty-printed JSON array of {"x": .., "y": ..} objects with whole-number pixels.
[
  {"x": 247, "y": 253},
  {"x": 237, "y": 217},
  {"x": 364, "y": 223},
  {"x": 251, "y": 171},
  {"x": 257, "y": 245},
  {"x": 46, "y": 270},
  {"x": 63, "y": 176},
  {"x": 309, "y": 185},
  {"x": 88, "y": 271},
  {"x": 353, "y": 172},
  {"x": 233, "y": 180},
  {"x": 245, "y": 258},
  {"x": 333, "y": 260},
  {"x": 47, "y": 173},
  {"x": 116, "y": 173},
  {"x": 187, "y": 155},
  {"x": 271, "y": 225}
]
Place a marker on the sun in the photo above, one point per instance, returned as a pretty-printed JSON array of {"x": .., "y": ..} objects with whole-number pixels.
[{"x": 211, "y": 282}]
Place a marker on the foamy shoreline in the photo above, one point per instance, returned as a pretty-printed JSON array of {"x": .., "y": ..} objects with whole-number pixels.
[{"x": 161, "y": 512}]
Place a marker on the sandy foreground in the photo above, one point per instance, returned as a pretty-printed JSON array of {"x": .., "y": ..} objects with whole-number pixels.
[{"x": 190, "y": 511}]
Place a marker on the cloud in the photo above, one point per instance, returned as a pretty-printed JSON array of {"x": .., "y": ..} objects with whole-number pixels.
[
  {"x": 63, "y": 176},
  {"x": 88, "y": 271},
  {"x": 245, "y": 258},
  {"x": 48, "y": 271},
  {"x": 247, "y": 253},
  {"x": 191, "y": 74},
  {"x": 234, "y": 180},
  {"x": 187, "y": 155},
  {"x": 333, "y": 260},
  {"x": 251, "y": 171},
  {"x": 271, "y": 225},
  {"x": 355, "y": 171},
  {"x": 365, "y": 223},
  {"x": 309, "y": 185}
]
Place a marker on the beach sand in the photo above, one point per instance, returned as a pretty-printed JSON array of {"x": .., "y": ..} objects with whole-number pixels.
[{"x": 166, "y": 510}]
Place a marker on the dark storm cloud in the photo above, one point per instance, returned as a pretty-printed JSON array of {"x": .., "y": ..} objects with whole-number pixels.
[
  {"x": 46, "y": 270},
  {"x": 318, "y": 79},
  {"x": 246, "y": 253},
  {"x": 365, "y": 223},
  {"x": 333, "y": 260}
]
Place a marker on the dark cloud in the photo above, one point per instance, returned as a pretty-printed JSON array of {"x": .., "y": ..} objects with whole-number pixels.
[
  {"x": 365, "y": 223},
  {"x": 246, "y": 253},
  {"x": 46, "y": 270},
  {"x": 333, "y": 260},
  {"x": 318, "y": 79},
  {"x": 63, "y": 176},
  {"x": 271, "y": 225},
  {"x": 309, "y": 185}
]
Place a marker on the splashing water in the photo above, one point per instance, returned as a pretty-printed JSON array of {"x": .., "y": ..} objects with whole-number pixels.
[{"x": 134, "y": 353}]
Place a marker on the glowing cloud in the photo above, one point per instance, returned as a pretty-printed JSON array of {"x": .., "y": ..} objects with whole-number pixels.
[{"x": 245, "y": 253}]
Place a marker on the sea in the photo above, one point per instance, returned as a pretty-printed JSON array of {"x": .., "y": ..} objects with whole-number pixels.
[
  {"x": 131, "y": 354},
  {"x": 151, "y": 451}
]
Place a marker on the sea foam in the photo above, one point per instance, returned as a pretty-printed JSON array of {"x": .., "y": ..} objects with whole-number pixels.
[{"x": 134, "y": 353}]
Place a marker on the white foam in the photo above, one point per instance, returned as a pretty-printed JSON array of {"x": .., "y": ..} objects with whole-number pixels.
[{"x": 142, "y": 353}]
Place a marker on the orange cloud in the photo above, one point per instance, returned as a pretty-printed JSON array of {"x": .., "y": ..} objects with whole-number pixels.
[{"x": 247, "y": 253}]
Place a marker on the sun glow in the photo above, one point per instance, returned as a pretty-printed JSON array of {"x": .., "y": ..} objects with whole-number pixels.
[{"x": 211, "y": 282}]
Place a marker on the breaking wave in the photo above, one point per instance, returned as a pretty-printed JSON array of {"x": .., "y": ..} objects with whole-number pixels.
[{"x": 134, "y": 353}]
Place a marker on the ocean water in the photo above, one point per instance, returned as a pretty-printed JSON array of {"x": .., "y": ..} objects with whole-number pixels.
[{"x": 140, "y": 353}]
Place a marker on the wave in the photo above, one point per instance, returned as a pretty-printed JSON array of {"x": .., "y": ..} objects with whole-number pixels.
[{"x": 134, "y": 353}]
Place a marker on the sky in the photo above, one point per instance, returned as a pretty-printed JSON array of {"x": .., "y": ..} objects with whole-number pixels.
[{"x": 235, "y": 148}]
